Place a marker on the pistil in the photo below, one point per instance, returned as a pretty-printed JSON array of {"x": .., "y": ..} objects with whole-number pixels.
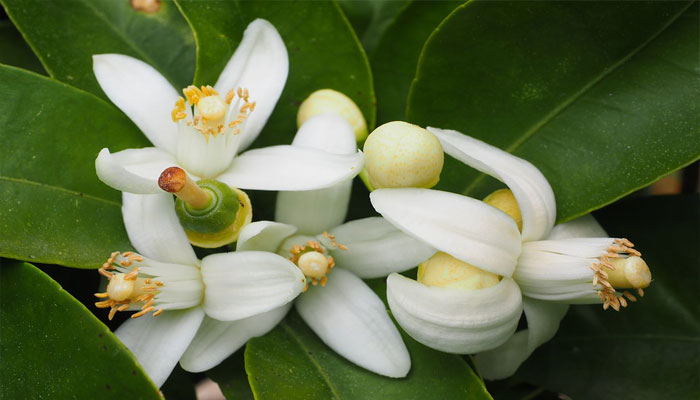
[
  {"x": 175, "y": 180},
  {"x": 621, "y": 267}
]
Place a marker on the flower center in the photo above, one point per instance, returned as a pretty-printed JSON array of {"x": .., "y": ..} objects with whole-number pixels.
[
  {"x": 443, "y": 270},
  {"x": 125, "y": 288},
  {"x": 313, "y": 262},
  {"x": 210, "y": 110},
  {"x": 620, "y": 267}
]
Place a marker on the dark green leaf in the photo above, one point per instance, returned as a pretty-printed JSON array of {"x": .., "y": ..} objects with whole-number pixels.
[
  {"x": 291, "y": 362},
  {"x": 603, "y": 97},
  {"x": 651, "y": 349},
  {"x": 15, "y": 51},
  {"x": 323, "y": 53},
  {"x": 66, "y": 33},
  {"x": 52, "y": 347},
  {"x": 232, "y": 378},
  {"x": 179, "y": 386},
  {"x": 396, "y": 56},
  {"x": 371, "y": 18},
  {"x": 53, "y": 209}
]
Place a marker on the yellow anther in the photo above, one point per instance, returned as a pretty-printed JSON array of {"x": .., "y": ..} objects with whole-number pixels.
[
  {"x": 179, "y": 110},
  {"x": 193, "y": 94},
  {"x": 443, "y": 270},
  {"x": 504, "y": 200},
  {"x": 330, "y": 101}
]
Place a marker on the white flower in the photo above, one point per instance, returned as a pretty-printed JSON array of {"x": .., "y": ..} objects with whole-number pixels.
[
  {"x": 168, "y": 280},
  {"x": 338, "y": 306},
  {"x": 226, "y": 119},
  {"x": 459, "y": 320}
]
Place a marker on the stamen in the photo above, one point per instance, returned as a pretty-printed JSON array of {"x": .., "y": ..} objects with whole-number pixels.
[{"x": 625, "y": 270}]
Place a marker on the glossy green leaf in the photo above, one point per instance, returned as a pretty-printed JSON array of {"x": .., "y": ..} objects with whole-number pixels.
[
  {"x": 371, "y": 18},
  {"x": 53, "y": 209},
  {"x": 291, "y": 362},
  {"x": 179, "y": 386},
  {"x": 66, "y": 33},
  {"x": 52, "y": 347},
  {"x": 231, "y": 377},
  {"x": 651, "y": 349},
  {"x": 395, "y": 58},
  {"x": 15, "y": 51},
  {"x": 323, "y": 53},
  {"x": 603, "y": 97}
]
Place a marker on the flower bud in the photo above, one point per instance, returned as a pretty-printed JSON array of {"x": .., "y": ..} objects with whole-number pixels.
[
  {"x": 504, "y": 200},
  {"x": 445, "y": 271},
  {"x": 330, "y": 101},
  {"x": 399, "y": 154}
]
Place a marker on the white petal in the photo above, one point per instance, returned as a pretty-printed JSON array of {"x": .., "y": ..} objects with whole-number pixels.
[
  {"x": 314, "y": 211},
  {"x": 376, "y": 248},
  {"x": 133, "y": 170},
  {"x": 327, "y": 132},
  {"x": 205, "y": 156},
  {"x": 467, "y": 229},
  {"x": 531, "y": 189},
  {"x": 455, "y": 320},
  {"x": 260, "y": 64},
  {"x": 158, "y": 342},
  {"x": 543, "y": 322},
  {"x": 246, "y": 283},
  {"x": 353, "y": 321},
  {"x": 154, "y": 229},
  {"x": 291, "y": 168},
  {"x": 264, "y": 236},
  {"x": 216, "y": 340},
  {"x": 585, "y": 226},
  {"x": 142, "y": 93}
]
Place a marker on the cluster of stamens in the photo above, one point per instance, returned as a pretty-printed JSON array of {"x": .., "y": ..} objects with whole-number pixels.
[
  {"x": 607, "y": 293},
  {"x": 126, "y": 289},
  {"x": 212, "y": 109},
  {"x": 313, "y": 261}
]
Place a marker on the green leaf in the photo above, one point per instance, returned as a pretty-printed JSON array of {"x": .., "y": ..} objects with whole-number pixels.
[
  {"x": 178, "y": 386},
  {"x": 371, "y": 18},
  {"x": 66, "y": 33},
  {"x": 15, "y": 51},
  {"x": 53, "y": 209},
  {"x": 323, "y": 53},
  {"x": 603, "y": 97},
  {"x": 52, "y": 347},
  {"x": 395, "y": 58},
  {"x": 291, "y": 362},
  {"x": 651, "y": 349},
  {"x": 231, "y": 377}
]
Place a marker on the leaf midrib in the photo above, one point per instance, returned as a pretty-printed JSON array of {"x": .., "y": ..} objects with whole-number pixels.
[
  {"x": 566, "y": 103},
  {"x": 315, "y": 363},
  {"x": 60, "y": 189}
]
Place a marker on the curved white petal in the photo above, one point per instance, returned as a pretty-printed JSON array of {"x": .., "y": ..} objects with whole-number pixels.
[
  {"x": 264, "y": 236},
  {"x": 142, "y": 93},
  {"x": 158, "y": 342},
  {"x": 467, "y": 229},
  {"x": 543, "y": 322},
  {"x": 531, "y": 189},
  {"x": 246, "y": 283},
  {"x": 314, "y": 211},
  {"x": 582, "y": 227},
  {"x": 154, "y": 229},
  {"x": 327, "y": 132},
  {"x": 216, "y": 340},
  {"x": 377, "y": 248},
  {"x": 455, "y": 320},
  {"x": 133, "y": 170},
  {"x": 260, "y": 64},
  {"x": 291, "y": 168},
  {"x": 353, "y": 321}
]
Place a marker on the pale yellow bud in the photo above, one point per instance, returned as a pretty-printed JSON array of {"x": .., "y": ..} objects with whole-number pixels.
[
  {"x": 629, "y": 273},
  {"x": 504, "y": 200},
  {"x": 445, "y": 271},
  {"x": 330, "y": 101},
  {"x": 399, "y": 154}
]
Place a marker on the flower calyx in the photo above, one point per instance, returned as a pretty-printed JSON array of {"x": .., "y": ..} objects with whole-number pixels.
[
  {"x": 126, "y": 289},
  {"x": 211, "y": 212}
]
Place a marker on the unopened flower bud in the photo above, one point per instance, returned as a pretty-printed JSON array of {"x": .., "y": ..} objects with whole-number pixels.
[
  {"x": 629, "y": 273},
  {"x": 399, "y": 154},
  {"x": 330, "y": 101},
  {"x": 504, "y": 200},
  {"x": 445, "y": 271}
]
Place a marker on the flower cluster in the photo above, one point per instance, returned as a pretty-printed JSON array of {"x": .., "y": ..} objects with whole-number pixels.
[{"x": 481, "y": 263}]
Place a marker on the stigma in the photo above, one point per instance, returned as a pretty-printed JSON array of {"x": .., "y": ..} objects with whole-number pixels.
[
  {"x": 621, "y": 267},
  {"x": 126, "y": 289},
  {"x": 313, "y": 260},
  {"x": 210, "y": 112}
]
